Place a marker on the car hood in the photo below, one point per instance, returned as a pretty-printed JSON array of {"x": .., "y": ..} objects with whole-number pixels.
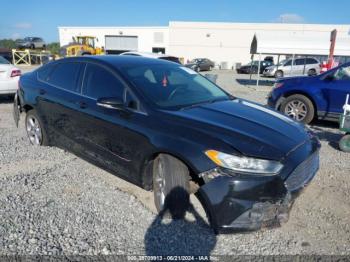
[
  {"x": 296, "y": 79},
  {"x": 249, "y": 128},
  {"x": 190, "y": 64}
]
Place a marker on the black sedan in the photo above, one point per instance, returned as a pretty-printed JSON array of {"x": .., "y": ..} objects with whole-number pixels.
[
  {"x": 253, "y": 67},
  {"x": 201, "y": 64},
  {"x": 165, "y": 127}
]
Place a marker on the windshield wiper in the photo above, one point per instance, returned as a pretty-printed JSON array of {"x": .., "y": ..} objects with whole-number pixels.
[{"x": 202, "y": 103}]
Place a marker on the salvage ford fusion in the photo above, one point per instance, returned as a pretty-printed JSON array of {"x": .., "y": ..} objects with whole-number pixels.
[{"x": 163, "y": 126}]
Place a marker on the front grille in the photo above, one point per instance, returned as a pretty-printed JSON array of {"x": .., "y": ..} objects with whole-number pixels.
[{"x": 303, "y": 173}]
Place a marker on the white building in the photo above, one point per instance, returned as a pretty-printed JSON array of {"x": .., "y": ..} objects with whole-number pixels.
[{"x": 224, "y": 43}]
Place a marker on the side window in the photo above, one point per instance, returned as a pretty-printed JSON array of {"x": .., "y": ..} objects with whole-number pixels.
[
  {"x": 343, "y": 73},
  {"x": 44, "y": 72},
  {"x": 99, "y": 82},
  {"x": 300, "y": 61},
  {"x": 65, "y": 75},
  {"x": 288, "y": 63},
  {"x": 311, "y": 61}
]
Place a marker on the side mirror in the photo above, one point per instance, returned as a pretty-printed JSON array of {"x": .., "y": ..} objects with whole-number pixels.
[
  {"x": 329, "y": 77},
  {"x": 111, "y": 102}
]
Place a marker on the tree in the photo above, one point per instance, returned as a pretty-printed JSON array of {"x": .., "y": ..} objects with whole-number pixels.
[
  {"x": 7, "y": 43},
  {"x": 54, "y": 48}
]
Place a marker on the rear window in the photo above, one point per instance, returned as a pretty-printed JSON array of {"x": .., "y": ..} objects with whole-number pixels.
[
  {"x": 65, "y": 75},
  {"x": 44, "y": 72}
]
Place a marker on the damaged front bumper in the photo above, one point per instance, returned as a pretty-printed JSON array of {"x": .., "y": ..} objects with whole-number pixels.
[{"x": 241, "y": 202}]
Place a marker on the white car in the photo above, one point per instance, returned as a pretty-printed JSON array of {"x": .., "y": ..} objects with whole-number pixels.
[
  {"x": 9, "y": 76},
  {"x": 153, "y": 55}
]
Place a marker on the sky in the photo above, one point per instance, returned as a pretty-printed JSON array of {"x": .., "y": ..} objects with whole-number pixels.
[{"x": 41, "y": 18}]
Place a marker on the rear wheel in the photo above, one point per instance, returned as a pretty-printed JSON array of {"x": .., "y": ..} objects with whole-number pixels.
[
  {"x": 311, "y": 72},
  {"x": 298, "y": 107},
  {"x": 171, "y": 186},
  {"x": 344, "y": 143},
  {"x": 35, "y": 130}
]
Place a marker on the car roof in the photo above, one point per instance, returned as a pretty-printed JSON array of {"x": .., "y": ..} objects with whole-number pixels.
[
  {"x": 145, "y": 54},
  {"x": 118, "y": 60}
]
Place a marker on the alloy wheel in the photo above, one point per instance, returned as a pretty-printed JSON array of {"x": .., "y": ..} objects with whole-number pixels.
[
  {"x": 160, "y": 183},
  {"x": 296, "y": 109},
  {"x": 34, "y": 130}
]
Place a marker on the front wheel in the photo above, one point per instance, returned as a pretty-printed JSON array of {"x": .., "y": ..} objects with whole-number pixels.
[
  {"x": 170, "y": 186},
  {"x": 279, "y": 74},
  {"x": 344, "y": 143},
  {"x": 298, "y": 107},
  {"x": 35, "y": 129}
]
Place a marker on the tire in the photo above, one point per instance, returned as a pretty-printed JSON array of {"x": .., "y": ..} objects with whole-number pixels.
[
  {"x": 197, "y": 69},
  {"x": 32, "y": 46},
  {"x": 279, "y": 74},
  {"x": 36, "y": 136},
  {"x": 210, "y": 68},
  {"x": 44, "y": 47},
  {"x": 344, "y": 143},
  {"x": 170, "y": 186},
  {"x": 311, "y": 72},
  {"x": 298, "y": 107}
]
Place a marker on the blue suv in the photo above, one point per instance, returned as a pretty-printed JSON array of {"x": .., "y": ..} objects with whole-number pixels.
[{"x": 305, "y": 98}]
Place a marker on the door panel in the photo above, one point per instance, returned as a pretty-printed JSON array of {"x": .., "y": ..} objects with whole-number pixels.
[
  {"x": 111, "y": 136},
  {"x": 337, "y": 89},
  {"x": 57, "y": 95}
]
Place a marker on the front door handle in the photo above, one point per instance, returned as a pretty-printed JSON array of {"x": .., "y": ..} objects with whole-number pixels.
[
  {"x": 42, "y": 92},
  {"x": 82, "y": 104}
]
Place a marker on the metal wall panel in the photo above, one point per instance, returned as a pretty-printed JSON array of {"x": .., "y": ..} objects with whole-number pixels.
[{"x": 121, "y": 43}]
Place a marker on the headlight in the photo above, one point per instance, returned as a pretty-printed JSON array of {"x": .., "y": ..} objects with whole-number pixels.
[
  {"x": 245, "y": 164},
  {"x": 277, "y": 85}
]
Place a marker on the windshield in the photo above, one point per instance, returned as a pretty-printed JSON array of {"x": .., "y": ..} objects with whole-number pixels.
[
  {"x": 171, "y": 86},
  {"x": 3, "y": 61}
]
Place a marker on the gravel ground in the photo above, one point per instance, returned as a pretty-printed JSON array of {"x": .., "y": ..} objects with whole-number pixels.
[{"x": 52, "y": 202}]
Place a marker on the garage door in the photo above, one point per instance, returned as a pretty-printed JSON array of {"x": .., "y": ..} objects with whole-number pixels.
[{"x": 121, "y": 43}]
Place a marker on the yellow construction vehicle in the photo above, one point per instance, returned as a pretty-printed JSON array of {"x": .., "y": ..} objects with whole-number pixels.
[{"x": 81, "y": 45}]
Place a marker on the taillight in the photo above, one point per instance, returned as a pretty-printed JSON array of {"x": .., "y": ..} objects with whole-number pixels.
[{"x": 15, "y": 72}]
